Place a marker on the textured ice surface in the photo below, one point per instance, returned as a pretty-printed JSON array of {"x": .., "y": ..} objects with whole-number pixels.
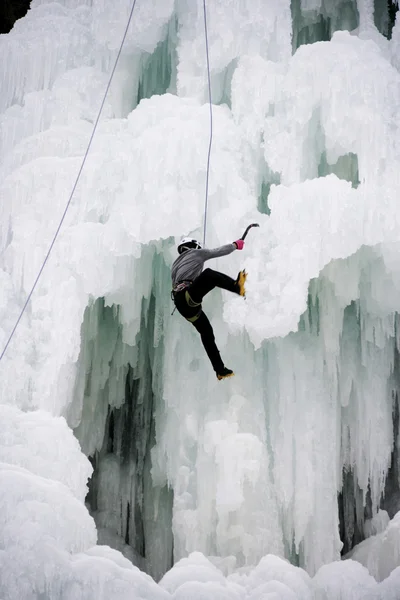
[
  {"x": 254, "y": 466},
  {"x": 337, "y": 108},
  {"x": 249, "y": 27}
]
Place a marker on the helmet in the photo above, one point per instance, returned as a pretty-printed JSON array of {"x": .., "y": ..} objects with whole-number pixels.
[{"x": 188, "y": 243}]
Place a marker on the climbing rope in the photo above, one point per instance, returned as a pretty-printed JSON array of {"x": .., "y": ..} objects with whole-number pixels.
[
  {"x": 74, "y": 186},
  {"x": 211, "y": 122}
]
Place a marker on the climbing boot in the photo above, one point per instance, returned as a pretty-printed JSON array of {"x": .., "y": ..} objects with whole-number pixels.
[
  {"x": 240, "y": 281},
  {"x": 225, "y": 373}
]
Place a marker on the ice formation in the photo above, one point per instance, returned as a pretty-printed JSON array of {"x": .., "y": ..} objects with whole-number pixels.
[{"x": 249, "y": 489}]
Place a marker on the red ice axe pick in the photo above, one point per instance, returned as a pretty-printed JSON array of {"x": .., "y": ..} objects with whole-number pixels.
[{"x": 248, "y": 229}]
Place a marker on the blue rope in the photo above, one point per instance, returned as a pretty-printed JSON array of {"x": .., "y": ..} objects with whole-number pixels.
[
  {"x": 211, "y": 122},
  {"x": 74, "y": 187}
]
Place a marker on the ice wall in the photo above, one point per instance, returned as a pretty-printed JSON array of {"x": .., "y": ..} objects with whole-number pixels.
[{"x": 305, "y": 143}]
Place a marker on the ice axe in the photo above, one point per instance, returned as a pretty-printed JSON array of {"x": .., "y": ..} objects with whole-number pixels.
[{"x": 248, "y": 229}]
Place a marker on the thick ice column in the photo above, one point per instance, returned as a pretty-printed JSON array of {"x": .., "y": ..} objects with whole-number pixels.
[
  {"x": 303, "y": 423},
  {"x": 120, "y": 371},
  {"x": 329, "y": 388},
  {"x": 219, "y": 466},
  {"x": 367, "y": 418},
  {"x": 367, "y": 375},
  {"x": 366, "y": 12}
]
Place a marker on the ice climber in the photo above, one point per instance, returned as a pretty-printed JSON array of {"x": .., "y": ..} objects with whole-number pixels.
[{"x": 190, "y": 284}]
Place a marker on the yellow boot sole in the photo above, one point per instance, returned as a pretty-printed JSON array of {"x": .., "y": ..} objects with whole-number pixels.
[
  {"x": 241, "y": 281},
  {"x": 220, "y": 377}
]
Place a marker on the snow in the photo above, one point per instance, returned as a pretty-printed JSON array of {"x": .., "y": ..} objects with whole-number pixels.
[
  {"x": 380, "y": 553},
  {"x": 44, "y": 446},
  {"x": 348, "y": 579},
  {"x": 214, "y": 489}
]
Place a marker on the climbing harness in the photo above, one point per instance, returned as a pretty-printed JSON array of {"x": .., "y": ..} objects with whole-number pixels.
[
  {"x": 182, "y": 285},
  {"x": 190, "y": 302},
  {"x": 74, "y": 186}
]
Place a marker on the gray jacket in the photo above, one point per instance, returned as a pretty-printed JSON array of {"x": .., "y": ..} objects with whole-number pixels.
[{"x": 189, "y": 264}]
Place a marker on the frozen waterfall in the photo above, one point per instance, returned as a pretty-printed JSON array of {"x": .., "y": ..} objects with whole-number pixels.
[{"x": 127, "y": 470}]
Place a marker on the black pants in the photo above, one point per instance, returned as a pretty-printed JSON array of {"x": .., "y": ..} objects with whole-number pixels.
[{"x": 188, "y": 303}]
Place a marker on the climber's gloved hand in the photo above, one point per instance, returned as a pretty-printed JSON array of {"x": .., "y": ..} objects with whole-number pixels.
[{"x": 239, "y": 244}]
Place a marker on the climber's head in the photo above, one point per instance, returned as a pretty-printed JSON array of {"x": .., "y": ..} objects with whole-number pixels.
[{"x": 188, "y": 243}]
